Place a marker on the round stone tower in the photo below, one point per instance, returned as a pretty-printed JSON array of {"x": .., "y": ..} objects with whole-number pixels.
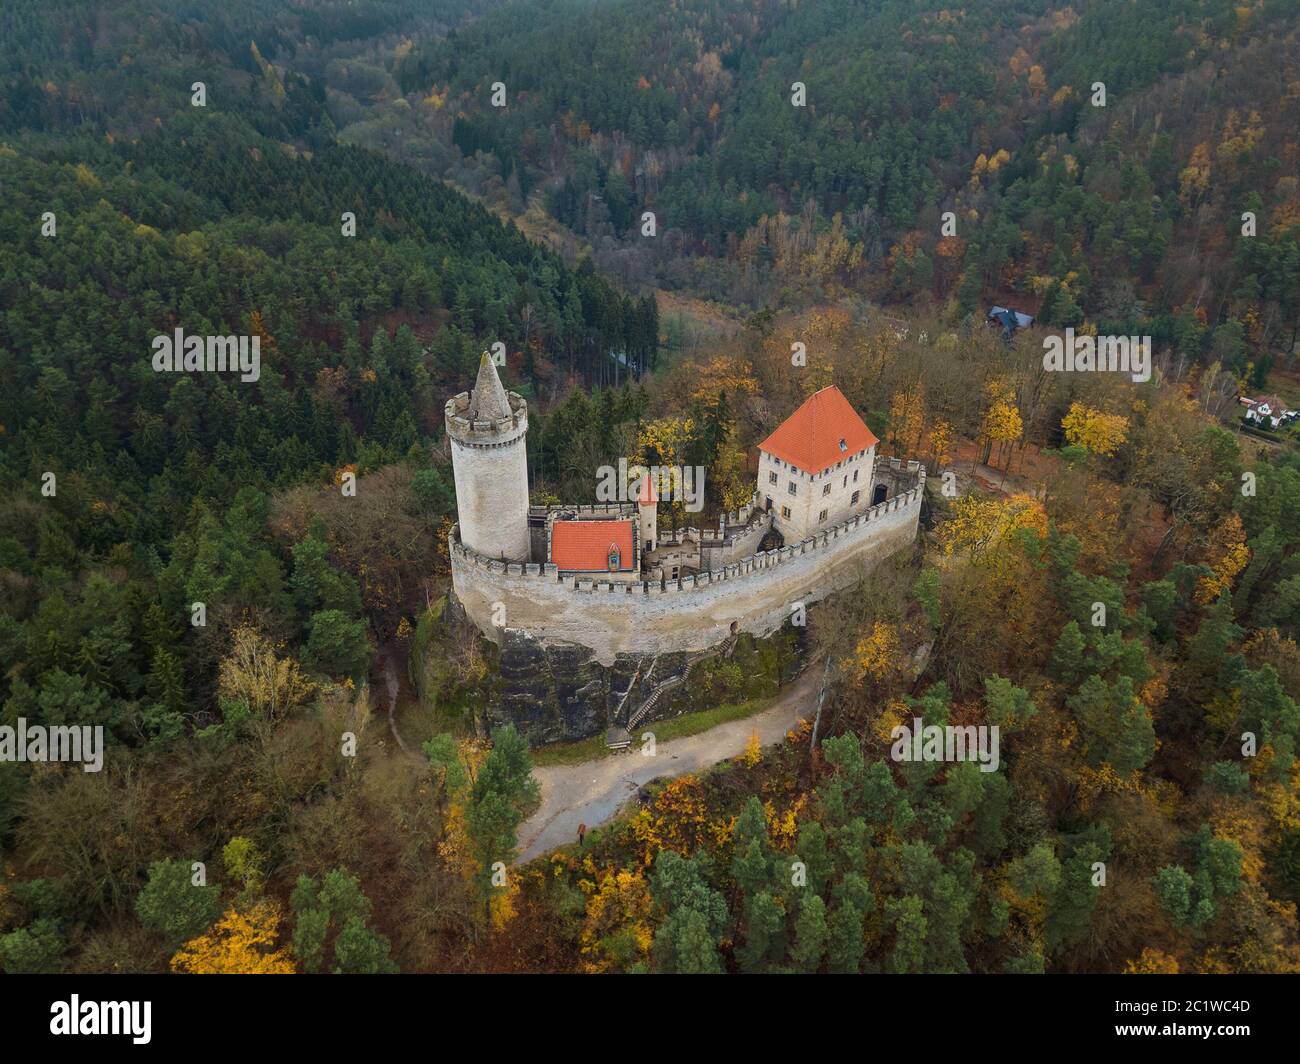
[{"x": 487, "y": 428}]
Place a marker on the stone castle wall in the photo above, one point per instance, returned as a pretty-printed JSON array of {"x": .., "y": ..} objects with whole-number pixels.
[
  {"x": 754, "y": 595},
  {"x": 719, "y": 553},
  {"x": 736, "y": 536}
]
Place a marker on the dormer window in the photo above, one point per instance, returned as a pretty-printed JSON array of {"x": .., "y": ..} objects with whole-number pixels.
[
  {"x": 844, "y": 445},
  {"x": 615, "y": 559}
]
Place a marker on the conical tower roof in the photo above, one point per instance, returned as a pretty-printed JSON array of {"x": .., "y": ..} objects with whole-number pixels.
[{"x": 487, "y": 402}]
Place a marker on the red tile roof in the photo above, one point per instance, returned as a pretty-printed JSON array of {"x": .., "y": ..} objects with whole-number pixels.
[
  {"x": 646, "y": 494},
  {"x": 1273, "y": 402},
  {"x": 809, "y": 439},
  {"x": 584, "y": 545}
]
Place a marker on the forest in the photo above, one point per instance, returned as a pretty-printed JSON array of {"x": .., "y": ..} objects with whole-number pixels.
[
  {"x": 1121, "y": 209},
  {"x": 1107, "y": 571}
]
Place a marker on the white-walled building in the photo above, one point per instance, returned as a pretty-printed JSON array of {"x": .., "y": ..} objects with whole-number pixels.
[
  {"x": 1269, "y": 411},
  {"x": 816, "y": 469}
]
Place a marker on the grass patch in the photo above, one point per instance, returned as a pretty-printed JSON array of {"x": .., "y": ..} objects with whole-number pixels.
[
  {"x": 665, "y": 730},
  {"x": 571, "y": 753},
  {"x": 694, "y": 723}
]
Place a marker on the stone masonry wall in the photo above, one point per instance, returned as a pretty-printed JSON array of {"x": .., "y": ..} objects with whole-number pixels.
[{"x": 755, "y": 595}]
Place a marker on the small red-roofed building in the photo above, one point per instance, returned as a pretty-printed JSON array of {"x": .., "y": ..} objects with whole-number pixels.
[
  {"x": 816, "y": 469},
  {"x": 593, "y": 546}
]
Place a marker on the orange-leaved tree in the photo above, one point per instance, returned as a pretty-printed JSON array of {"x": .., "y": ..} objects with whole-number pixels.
[{"x": 242, "y": 942}]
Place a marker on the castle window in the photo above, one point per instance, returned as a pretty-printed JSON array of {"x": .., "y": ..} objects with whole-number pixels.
[
  {"x": 771, "y": 478},
  {"x": 785, "y": 511},
  {"x": 821, "y": 516},
  {"x": 854, "y": 501},
  {"x": 846, "y": 481},
  {"x": 826, "y": 489},
  {"x": 793, "y": 488},
  {"x": 855, "y": 476}
]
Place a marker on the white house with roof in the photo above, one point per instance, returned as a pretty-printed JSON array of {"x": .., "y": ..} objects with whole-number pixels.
[{"x": 1268, "y": 412}]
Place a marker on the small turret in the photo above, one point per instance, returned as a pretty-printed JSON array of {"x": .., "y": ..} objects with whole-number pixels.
[{"x": 647, "y": 502}]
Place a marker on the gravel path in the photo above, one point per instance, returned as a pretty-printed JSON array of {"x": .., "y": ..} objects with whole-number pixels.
[{"x": 594, "y": 791}]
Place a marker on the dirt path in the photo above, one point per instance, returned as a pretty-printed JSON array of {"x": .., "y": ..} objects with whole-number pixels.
[
  {"x": 386, "y": 666},
  {"x": 594, "y": 791}
]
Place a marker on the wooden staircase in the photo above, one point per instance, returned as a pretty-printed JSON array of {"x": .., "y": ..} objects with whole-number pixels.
[{"x": 723, "y": 649}]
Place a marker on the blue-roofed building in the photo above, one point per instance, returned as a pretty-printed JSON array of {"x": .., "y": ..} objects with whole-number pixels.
[{"x": 1010, "y": 320}]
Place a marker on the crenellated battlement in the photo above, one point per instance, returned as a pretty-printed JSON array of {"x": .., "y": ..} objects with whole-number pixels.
[
  {"x": 758, "y": 563},
  {"x": 487, "y": 429},
  {"x": 597, "y": 509},
  {"x": 493, "y": 432},
  {"x": 756, "y": 594},
  {"x": 696, "y": 587}
]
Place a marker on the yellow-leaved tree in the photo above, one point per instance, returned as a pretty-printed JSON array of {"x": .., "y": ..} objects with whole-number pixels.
[
  {"x": 937, "y": 446},
  {"x": 982, "y": 525},
  {"x": 1152, "y": 962},
  {"x": 254, "y": 674},
  {"x": 877, "y": 653},
  {"x": 664, "y": 441},
  {"x": 907, "y": 418},
  {"x": 1194, "y": 180},
  {"x": 242, "y": 942},
  {"x": 1093, "y": 430},
  {"x": 1002, "y": 423},
  {"x": 616, "y": 932},
  {"x": 731, "y": 373},
  {"x": 1227, "y": 556}
]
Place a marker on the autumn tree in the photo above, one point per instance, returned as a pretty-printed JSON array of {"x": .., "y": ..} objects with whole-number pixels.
[
  {"x": 1002, "y": 423},
  {"x": 255, "y": 674},
  {"x": 242, "y": 942},
  {"x": 1093, "y": 430},
  {"x": 907, "y": 419},
  {"x": 616, "y": 932}
]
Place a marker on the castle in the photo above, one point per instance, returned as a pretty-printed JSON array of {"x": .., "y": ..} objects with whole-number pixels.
[{"x": 607, "y": 580}]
